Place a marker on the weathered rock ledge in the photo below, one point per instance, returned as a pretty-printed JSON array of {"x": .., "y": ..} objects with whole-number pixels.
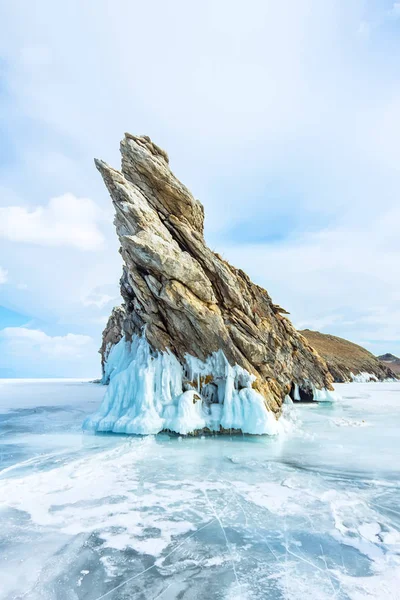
[{"x": 186, "y": 300}]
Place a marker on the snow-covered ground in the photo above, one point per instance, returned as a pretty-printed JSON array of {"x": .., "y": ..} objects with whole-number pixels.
[{"x": 311, "y": 513}]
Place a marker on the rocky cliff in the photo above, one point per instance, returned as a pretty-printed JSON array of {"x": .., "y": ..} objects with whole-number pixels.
[
  {"x": 347, "y": 361},
  {"x": 391, "y": 361},
  {"x": 191, "y": 304}
]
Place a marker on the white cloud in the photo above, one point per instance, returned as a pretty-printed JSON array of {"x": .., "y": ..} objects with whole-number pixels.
[
  {"x": 395, "y": 11},
  {"x": 65, "y": 221},
  {"x": 26, "y": 352},
  {"x": 97, "y": 299},
  {"x": 3, "y": 275},
  {"x": 321, "y": 324},
  {"x": 103, "y": 320},
  {"x": 26, "y": 341},
  {"x": 364, "y": 28},
  {"x": 35, "y": 56}
]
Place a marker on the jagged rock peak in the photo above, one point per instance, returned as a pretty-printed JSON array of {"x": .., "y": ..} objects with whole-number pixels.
[
  {"x": 145, "y": 141},
  {"x": 186, "y": 299},
  {"x": 146, "y": 166}
]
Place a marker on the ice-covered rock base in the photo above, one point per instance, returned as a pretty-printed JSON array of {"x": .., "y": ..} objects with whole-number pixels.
[
  {"x": 149, "y": 393},
  {"x": 313, "y": 393}
]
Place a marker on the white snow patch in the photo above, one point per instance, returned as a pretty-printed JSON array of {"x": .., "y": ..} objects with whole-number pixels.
[
  {"x": 342, "y": 422},
  {"x": 363, "y": 377}
]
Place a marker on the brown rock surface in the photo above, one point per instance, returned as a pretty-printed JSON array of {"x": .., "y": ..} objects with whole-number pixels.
[
  {"x": 186, "y": 298},
  {"x": 391, "y": 361},
  {"x": 344, "y": 357}
]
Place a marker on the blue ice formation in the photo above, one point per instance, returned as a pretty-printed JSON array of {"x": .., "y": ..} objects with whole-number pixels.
[
  {"x": 145, "y": 394},
  {"x": 323, "y": 395}
]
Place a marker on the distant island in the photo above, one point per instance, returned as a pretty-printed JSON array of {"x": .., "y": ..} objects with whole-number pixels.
[
  {"x": 350, "y": 362},
  {"x": 392, "y": 361}
]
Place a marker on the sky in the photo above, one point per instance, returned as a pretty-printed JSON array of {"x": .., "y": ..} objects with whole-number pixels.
[{"x": 283, "y": 118}]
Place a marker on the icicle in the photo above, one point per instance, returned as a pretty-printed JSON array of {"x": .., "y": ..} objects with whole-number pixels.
[
  {"x": 324, "y": 395},
  {"x": 145, "y": 394},
  {"x": 296, "y": 395}
]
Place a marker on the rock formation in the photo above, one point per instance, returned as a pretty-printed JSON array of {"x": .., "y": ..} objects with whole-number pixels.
[
  {"x": 191, "y": 304},
  {"x": 391, "y": 361},
  {"x": 347, "y": 361}
]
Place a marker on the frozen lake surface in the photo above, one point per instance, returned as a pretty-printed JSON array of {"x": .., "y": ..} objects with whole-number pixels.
[{"x": 311, "y": 514}]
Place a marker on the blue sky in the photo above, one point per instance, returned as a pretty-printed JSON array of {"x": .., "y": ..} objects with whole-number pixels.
[{"x": 283, "y": 118}]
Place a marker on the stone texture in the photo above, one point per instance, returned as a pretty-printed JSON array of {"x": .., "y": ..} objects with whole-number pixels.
[
  {"x": 344, "y": 357},
  {"x": 391, "y": 361},
  {"x": 184, "y": 297}
]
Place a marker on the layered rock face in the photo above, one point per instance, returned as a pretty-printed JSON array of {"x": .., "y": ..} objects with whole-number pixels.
[
  {"x": 189, "y": 302},
  {"x": 391, "y": 361},
  {"x": 347, "y": 361}
]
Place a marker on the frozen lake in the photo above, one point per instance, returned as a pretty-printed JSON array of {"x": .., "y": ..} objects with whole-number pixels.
[{"x": 311, "y": 514}]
